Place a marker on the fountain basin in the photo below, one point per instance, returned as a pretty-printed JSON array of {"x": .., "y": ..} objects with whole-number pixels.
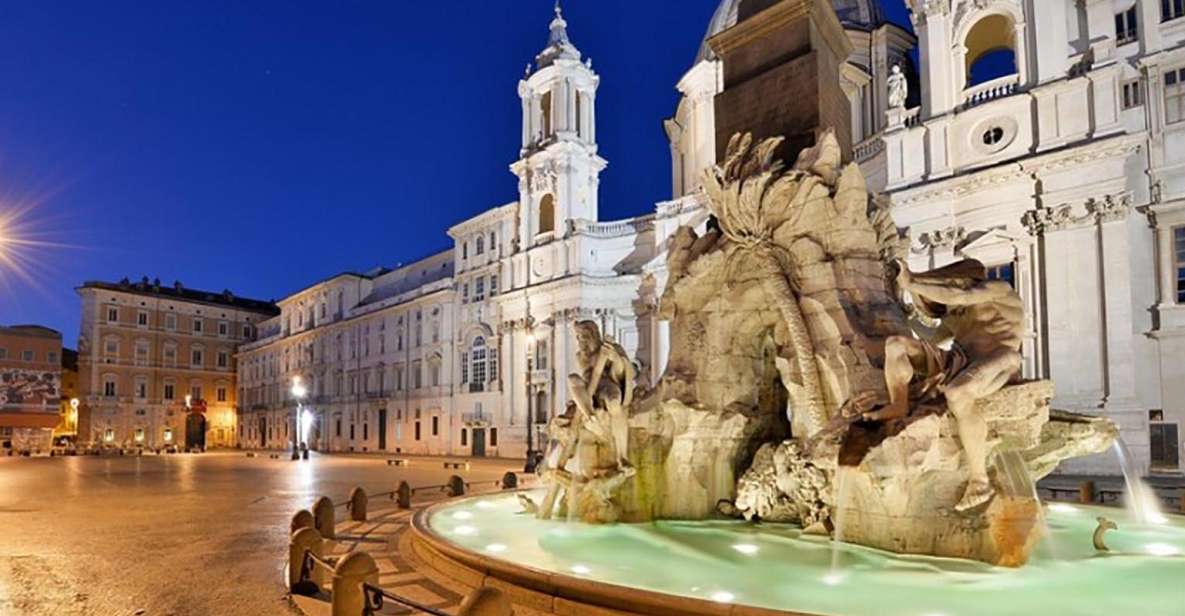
[{"x": 734, "y": 567}]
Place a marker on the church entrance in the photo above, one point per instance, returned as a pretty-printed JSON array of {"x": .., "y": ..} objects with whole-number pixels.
[{"x": 479, "y": 443}]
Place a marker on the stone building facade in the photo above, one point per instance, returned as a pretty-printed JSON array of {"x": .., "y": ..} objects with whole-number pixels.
[
  {"x": 30, "y": 387},
  {"x": 1063, "y": 173},
  {"x": 157, "y": 363}
]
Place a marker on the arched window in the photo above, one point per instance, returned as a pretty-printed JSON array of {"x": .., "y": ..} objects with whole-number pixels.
[
  {"x": 547, "y": 214},
  {"x": 991, "y": 50},
  {"x": 477, "y": 361},
  {"x": 480, "y": 245}
]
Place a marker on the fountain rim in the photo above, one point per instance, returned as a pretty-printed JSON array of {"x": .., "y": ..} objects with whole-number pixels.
[{"x": 581, "y": 590}]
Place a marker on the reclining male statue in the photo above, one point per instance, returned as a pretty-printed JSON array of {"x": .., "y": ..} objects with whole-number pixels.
[{"x": 986, "y": 319}]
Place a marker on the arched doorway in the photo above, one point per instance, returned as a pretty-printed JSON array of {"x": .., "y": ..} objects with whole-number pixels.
[
  {"x": 195, "y": 431},
  {"x": 991, "y": 50}
]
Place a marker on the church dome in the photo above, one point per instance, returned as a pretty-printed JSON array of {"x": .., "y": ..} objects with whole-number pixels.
[{"x": 862, "y": 14}]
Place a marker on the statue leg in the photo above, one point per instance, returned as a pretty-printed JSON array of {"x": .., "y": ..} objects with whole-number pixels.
[
  {"x": 978, "y": 381},
  {"x": 902, "y": 356},
  {"x": 578, "y": 388},
  {"x": 619, "y": 419}
]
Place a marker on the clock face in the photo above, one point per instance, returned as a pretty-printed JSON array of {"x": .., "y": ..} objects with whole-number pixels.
[{"x": 539, "y": 267}]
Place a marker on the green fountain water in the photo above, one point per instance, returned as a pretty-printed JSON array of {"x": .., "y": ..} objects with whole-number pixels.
[{"x": 776, "y": 566}]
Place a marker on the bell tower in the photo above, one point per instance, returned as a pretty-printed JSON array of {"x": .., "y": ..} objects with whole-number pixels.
[{"x": 559, "y": 168}]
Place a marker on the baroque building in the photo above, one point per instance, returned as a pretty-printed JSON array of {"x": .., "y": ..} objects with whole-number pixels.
[
  {"x": 30, "y": 387},
  {"x": 156, "y": 364},
  {"x": 1043, "y": 138}
]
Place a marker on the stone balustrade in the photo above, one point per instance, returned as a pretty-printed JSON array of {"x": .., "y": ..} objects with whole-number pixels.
[{"x": 991, "y": 90}]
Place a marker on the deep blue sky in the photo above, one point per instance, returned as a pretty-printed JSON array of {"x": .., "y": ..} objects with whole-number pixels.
[{"x": 261, "y": 146}]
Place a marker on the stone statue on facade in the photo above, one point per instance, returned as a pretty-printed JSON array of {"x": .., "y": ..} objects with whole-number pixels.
[
  {"x": 898, "y": 88},
  {"x": 986, "y": 320},
  {"x": 591, "y": 457}
]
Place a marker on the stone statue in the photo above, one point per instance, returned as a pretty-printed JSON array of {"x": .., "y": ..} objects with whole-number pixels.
[
  {"x": 590, "y": 459},
  {"x": 604, "y": 388},
  {"x": 986, "y": 319},
  {"x": 898, "y": 88}
]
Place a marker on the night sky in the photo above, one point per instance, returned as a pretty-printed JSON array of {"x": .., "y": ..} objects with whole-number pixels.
[{"x": 262, "y": 146}]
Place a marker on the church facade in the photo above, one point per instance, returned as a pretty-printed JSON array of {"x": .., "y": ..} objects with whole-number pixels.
[{"x": 1064, "y": 174}]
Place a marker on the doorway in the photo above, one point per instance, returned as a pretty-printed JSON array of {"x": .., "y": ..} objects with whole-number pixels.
[
  {"x": 382, "y": 429},
  {"x": 1165, "y": 454},
  {"x": 479, "y": 443},
  {"x": 195, "y": 432},
  {"x": 263, "y": 432}
]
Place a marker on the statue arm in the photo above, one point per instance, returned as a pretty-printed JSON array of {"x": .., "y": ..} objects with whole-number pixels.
[
  {"x": 594, "y": 380},
  {"x": 954, "y": 296}
]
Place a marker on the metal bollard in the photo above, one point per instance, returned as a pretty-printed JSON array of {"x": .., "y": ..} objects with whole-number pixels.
[
  {"x": 301, "y": 519},
  {"x": 485, "y": 601},
  {"x": 456, "y": 486},
  {"x": 348, "y": 576},
  {"x": 304, "y": 539},
  {"x": 358, "y": 505},
  {"x": 403, "y": 495},
  {"x": 1086, "y": 493},
  {"x": 323, "y": 517},
  {"x": 509, "y": 481},
  {"x": 304, "y": 454}
]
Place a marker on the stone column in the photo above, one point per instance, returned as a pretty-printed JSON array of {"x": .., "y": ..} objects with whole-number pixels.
[
  {"x": 1100, "y": 28},
  {"x": 938, "y": 89},
  {"x": 1021, "y": 42},
  {"x": 1148, "y": 16}
]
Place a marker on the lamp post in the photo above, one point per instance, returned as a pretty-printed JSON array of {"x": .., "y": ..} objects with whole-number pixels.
[
  {"x": 529, "y": 467},
  {"x": 298, "y": 392}
]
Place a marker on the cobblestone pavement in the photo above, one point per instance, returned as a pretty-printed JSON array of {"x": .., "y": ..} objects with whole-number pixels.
[{"x": 181, "y": 535}]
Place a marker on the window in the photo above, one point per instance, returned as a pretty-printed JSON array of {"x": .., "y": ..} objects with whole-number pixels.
[
  {"x": 493, "y": 285},
  {"x": 28, "y": 356},
  {"x": 170, "y": 391},
  {"x": 246, "y": 331},
  {"x": 479, "y": 290},
  {"x": 417, "y": 375},
  {"x": 541, "y": 355},
  {"x": 464, "y": 367},
  {"x": 223, "y": 359},
  {"x": 223, "y": 329},
  {"x": 1006, "y": 273},
  {"x": 993, "y": 136},
  {"x": 366, "y": 432},
  {"x": 1126, "y": 27},
  {"x": 465, "y": 250},
  {"x": 417, "y": 430},
  {"x": 3, "y": 353},
  {"x": 109, "y": 387},
  {"x": 1171, "y": 9},
  {"x": 493, "y": 437},
  {"x": 143, "y": 349},
  {"x": 141, "y": 388},
  {"x": 195, "y": 392},
  {"x": 351, "y": 432},
  {"x": 1174, "y": 95},
  {"x": 480, "y": 247},
  {"x": 547, "y": 214},
  {"x": 492, "y": 363},
  {"x": 1179, "y": 262},
  {"x": 493, "y": 240},
  {"x": 464, "y": 437},
  {"x": 112, "y": 315},
  {"x": 171, "y": 322},
  {"x": 51, "y": 357},
  {"x": 477, "y": 362},
  {"x": 545, "y": 105},
  {"x": 435, "y": 425},
  {"x": 196, "y": 358},
  {"x": 434, "y": 373},
  {"x": 465, "y": 293},
  {"x": 1163, "y": 437},
  {"x": 197, "y": 325},
  {"x": 338, "y": 426},
  {"x": 170, "y": 355},
  {"x": 142, "y": 319},
  {"x": 111, "y": 346},
  {"x": 1133, "y": 94},
  {"x": 220, "y": 394}
]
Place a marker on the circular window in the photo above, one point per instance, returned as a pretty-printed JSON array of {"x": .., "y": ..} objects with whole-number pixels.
[{"x": 993, "y": 136}]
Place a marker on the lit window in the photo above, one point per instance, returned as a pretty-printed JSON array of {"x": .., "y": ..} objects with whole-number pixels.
[
  {"x": 1179, "y": 261},
  {"x": 1126, "y": 27},
  {"x": 1133, "y": 94},
  {"x": 1171, "y": 9},
  {"x": 1174, "y": 95}
]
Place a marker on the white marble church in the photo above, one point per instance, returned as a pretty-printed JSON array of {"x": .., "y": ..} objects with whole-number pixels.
[{"x": 1064, "y": 172}]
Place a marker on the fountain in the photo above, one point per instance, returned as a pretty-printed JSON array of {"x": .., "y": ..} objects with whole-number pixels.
[
  {"x": 804, "y": 443},
  {"x": 1141, "y": 501}
]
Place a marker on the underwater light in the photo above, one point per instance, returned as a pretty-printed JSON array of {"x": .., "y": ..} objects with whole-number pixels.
[
  {"x": 722, "y": 597},
  {"x": 833, "y": 579},
  {"x": 1161, "y": 549},
  {"x": 495, "y": 547},
  {"x": 745, "y": 548},
  {"x": 463, "y": 515},
  {"x": 581, "y": 570},
  {"x": 465, "y": 530},
  {"x": 1062, "y": 508}
]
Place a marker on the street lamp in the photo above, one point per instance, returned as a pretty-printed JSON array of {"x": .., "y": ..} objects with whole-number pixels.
[
  {"x": 529, "y": 467},
  {"x": 299, "y": 392}
]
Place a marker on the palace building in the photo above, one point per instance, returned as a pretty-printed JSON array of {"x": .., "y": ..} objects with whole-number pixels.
[
  {"x": 157, "y": 363},
  {"x": 1043, "y": 138}
]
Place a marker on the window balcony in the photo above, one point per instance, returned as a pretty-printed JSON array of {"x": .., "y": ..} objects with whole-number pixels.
[
  {"x": 476, "y": 419},
  {"x": 990, "y": 91}
]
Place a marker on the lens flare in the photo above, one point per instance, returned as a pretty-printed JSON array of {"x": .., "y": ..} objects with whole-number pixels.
[{"x": 25, "y": 247}]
